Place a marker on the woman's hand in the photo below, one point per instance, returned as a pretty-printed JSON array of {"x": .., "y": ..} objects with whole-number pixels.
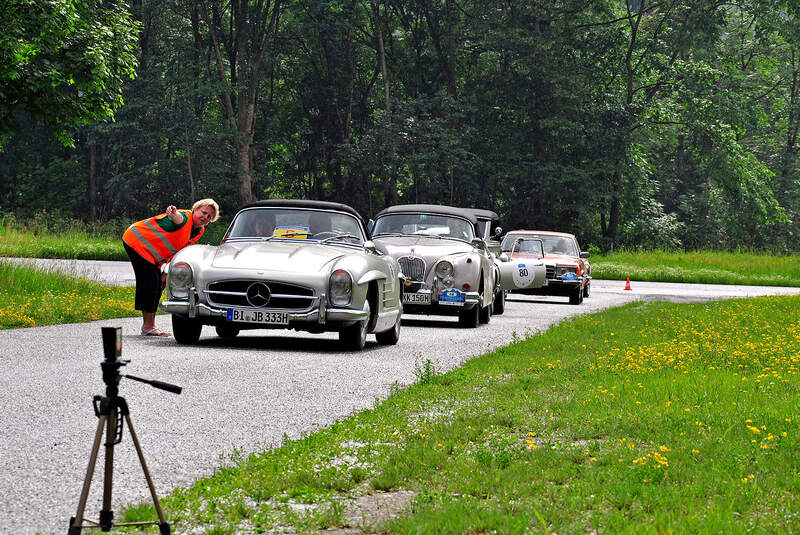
[{"x": 173, "y": 214}]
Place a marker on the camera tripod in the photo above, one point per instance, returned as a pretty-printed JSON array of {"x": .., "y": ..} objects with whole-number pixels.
[{"x": 112, "y": 413}]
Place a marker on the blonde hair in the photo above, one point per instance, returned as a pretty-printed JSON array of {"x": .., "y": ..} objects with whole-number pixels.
[{"x": 207, "y": 202}]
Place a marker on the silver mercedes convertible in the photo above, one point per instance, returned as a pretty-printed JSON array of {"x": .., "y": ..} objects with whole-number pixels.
[{"x": 287, "y": 264}]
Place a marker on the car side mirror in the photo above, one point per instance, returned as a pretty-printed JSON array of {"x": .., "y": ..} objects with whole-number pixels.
[
  {"x": 369, "y": 245},
  {"x": 478, "y": 243},
  {"x": 584, "y": 254},
  {"x": 503, "y": 257}
]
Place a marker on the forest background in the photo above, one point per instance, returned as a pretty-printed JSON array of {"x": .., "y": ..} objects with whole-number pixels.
[{"x": 641, "y": 123}]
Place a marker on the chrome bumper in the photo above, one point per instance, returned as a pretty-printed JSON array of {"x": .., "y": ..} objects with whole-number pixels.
[
  {"x": 470, "y": 298},
  {"x": 321, "y": 314}
]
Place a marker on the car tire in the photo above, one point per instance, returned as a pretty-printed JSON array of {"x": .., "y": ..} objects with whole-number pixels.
[
  {"x": 186, "y": 330},
  {"x": 485, "y": 314},
  {"x": 390, "y": 337},
  {"x": 500, "y": 303},
  {"x": 354, "y": 337},
  {"x": 469, "y": 318},
  {"x": 586, "y": 289},
  {"x": 226, "y": 330},
  {"x": 576, "y": 297}
]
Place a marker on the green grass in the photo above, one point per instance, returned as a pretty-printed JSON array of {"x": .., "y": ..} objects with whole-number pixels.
[
  {"x": 73, "y": 239},
  {"x": 710, "y": 267},
  {"x": 649, "y": 418},
  {"x": 30, "y": 298},
  {"x": 76, "y": 244}
]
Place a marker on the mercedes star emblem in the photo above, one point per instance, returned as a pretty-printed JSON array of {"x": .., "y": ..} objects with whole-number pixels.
[{"x": 258, "y": 294}]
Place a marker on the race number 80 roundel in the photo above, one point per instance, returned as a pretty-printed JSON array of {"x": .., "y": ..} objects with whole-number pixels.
[{"x": 522, "y": 276}]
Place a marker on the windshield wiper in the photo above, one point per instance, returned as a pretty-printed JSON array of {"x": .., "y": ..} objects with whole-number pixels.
[
  {"x": 293, "y": 234},
  {"x": 340, "y": 237},
  {"x": 390, "y": 234}
]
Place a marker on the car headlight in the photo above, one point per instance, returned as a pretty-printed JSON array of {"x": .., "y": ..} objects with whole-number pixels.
[
  {"x": 562, "y": 270},
  {"x": 444, "y": 269},
  {"x": 340, "y": 288},
  {"x": 180, "y": 279}
]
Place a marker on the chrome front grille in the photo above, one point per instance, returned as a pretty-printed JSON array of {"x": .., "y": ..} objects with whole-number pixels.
[
  {"x": 550, "y": 271},
  {"x": 282, "y": 295},
  {"x": 412, "y": 268}
]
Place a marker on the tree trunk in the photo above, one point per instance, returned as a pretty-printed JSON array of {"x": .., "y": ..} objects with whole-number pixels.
[
  {"x": 240, "y": 73},
  {"x": 92, "y": 182}
]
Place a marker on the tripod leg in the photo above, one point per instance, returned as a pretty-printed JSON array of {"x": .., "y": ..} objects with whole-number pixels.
[
  {"x": 106, "y": 514},
  {"x": 77, "y": 521},
  {"x": 163, "y": 525}
]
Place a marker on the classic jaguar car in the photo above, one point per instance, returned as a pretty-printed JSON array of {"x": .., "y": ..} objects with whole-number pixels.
[
  {"x": 489, "y": 231},
  {"x": 447, "y": 268},
  {"x": 568, "y": 271},
  {"x": 287, "y": 264},
  {"x": 488, "y": 228}
]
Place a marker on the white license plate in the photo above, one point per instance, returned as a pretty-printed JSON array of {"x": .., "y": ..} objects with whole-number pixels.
[
  {"x": 258, "y": 316},
  {"x": 417, "y": 299}
]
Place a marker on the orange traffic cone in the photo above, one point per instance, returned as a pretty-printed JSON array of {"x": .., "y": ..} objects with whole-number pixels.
[{"x": 628, "y": 283}]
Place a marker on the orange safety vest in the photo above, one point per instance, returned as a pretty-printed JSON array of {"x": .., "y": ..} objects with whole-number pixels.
[{"x": 157, "y": 245}]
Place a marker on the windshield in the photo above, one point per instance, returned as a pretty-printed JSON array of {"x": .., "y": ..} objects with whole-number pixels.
[
  {"x": 425, "y": 225},
  {"x": 553, "y": 244},
  {"x": 296, "y": 224},
  {"x": 527, "y": 246}
]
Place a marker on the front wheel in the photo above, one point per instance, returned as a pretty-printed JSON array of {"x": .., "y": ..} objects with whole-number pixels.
[
  {"x": 390, "y": 337},
  {"x": 499, "y": 302},
  {"x": 354, "y": 337},
  {"x": 576, "y": 297},
  {"x": 586, "y": 289},
  {"x": 186, "y": 330},
  {"x": 469, "y": 318},
  {"x": 225, "y": 330},
  {"x": 485, "y": 314}
]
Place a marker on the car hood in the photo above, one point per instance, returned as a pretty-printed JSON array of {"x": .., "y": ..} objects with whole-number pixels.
[
  {"x": 276, "y": 256},
  {"x": 561, "y": 259},
  {"x": 423, "y": 246}
]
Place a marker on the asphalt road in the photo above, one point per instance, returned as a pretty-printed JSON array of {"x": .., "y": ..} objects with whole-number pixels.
[{"x": 241, "y": 395}]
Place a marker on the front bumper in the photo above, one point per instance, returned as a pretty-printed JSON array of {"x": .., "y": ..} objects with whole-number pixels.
[
  {"x": 471, "y": 299},
  {"x": 319, "y": 315},
  {"x": 555, "y": 287}
]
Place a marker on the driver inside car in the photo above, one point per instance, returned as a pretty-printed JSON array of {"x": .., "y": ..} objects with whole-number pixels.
[{"x": 319, "y": 225}]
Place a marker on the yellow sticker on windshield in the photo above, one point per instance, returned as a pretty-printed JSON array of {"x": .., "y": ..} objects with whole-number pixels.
[{"x": 300, "y": 233}]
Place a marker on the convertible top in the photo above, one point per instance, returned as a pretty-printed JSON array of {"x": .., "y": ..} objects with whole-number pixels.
[
  {"x": 466, "y": 213},
  {"x": 481, "y": 213},
  {"x": 303, "y": 203}
]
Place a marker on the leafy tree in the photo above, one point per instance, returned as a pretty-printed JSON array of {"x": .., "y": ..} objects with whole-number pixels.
[{"x": 63, "y": 61}]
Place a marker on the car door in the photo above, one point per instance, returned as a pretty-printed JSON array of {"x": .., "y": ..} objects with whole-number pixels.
[{"x": 525, "y": 268}]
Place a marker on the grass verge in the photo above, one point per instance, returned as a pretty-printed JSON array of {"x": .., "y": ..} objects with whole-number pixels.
[
  {"x": 30, "y": 297},
  {"x": 649, "y": 418},
  {"x": 708, "y": 267},
  {"x": 75, "y": 244}
]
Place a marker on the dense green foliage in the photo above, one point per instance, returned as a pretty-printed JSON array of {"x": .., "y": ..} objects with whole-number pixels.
[
  {"x": 63, "y": 61},
  {"x": 648, "y": 123}
]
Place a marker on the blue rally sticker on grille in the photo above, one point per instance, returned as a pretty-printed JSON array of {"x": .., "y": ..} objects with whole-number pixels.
[
  {"x": 451, "y": 296},
  {"x": 570, "y": 277}
]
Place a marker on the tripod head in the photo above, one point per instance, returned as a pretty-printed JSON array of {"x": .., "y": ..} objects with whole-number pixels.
[{"x": 112, "y": 349}]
